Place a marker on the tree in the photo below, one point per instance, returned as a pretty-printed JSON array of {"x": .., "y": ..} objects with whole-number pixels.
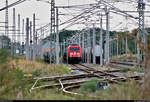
[{"x": 4, "y": 42}]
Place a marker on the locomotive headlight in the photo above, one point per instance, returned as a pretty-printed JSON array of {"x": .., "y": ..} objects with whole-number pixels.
[
  {"x": 78, "y": 54},
  {"x": 71, "y": 54}
]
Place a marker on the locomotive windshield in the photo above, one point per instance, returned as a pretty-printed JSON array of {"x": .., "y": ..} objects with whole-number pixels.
[{"x": 75, "y": 49}]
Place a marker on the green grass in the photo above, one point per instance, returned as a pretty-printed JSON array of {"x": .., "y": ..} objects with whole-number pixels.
[
  {"x": 124, "y": 70},
  {"x": 47, "y": 94},
  {"x": 4, "y": 54},
  {"x": 133, "y": 69}
]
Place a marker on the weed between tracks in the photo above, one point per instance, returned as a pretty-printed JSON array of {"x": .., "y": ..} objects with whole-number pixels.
[{"x": 12, "y": 87}]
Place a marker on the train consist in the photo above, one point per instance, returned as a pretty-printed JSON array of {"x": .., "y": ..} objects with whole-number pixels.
[
  {"x": 47, "y": 50},
  {"x": 73, "y": 54},
  {"x": 76, "y": 55}
]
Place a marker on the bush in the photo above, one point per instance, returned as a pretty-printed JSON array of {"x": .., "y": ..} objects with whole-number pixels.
[
  {"x": 90, "y": 86},
  {"x": 39, "y": 59},
  {"x": 4, "y": 54},
  {"x": 133, "y": 69},
  {"x": 36, "y": 73},
  {"x": 129, "y": 90},
  {"x": 10, "y": 78},
  {"x": 124, "y": 70},
  {"x": 11, "y": 82}
]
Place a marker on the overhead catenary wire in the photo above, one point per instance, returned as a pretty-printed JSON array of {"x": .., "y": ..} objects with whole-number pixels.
[
  {"x": 117, "y": 9},
  {"x": 85, "y": 12},
  {"x": 13, "y": 4}
]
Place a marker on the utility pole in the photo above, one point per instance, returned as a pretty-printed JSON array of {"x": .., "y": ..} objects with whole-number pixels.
[
  {"x": 83, "y": 46},
  {"x": 126, "y": 39},
  {"x": 107, "y": 36},
  {"x": 12, "y": 40},
  {"x": 61, "y": 51},
  {"x": 18, "y": 28},
  {"x": 27, "y": 38},
  {"x": 79, "y": 39},
  {"x": 6, "y": 19},
  {"x": 19, "y": 41},
  {"x": 14, "y": 32},
  {"x": 110, "y": 48},
  {"x": 22, "y": 39},
  {"x": 140, "y": 35},
  {"x": 22, "y": 30},
  {"x": 117, "y": 44},
  {"x": 52, "y": 16},
  {"x": 30, "y": 40},
  {"x": 67, "y": 50},
  {"x": 57, "y": 38},
  {"x": 34, "y": 39},
  {"x": 101, "y": 42},
  {"x": 88, "y": 46},
  {"x": 94, "y": 62},
  {"x": 50, "y": 53},
  {"x": 64, "y": 46},
  {"x": 126, "y": 44},
  {"x": 53, "y": 22}
]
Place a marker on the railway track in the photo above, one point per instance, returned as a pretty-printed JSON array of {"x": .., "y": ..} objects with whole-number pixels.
[
  {"x": 67, "y": 82},
  {"x": 123, "y": 65},
  {"x": 106, "y": 73}
]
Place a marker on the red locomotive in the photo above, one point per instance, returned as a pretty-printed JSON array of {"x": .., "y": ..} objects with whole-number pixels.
[{"x": 74, "y": 54}]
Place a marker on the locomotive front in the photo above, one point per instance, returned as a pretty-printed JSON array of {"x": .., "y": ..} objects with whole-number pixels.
[{"x": 74, "y": 54}]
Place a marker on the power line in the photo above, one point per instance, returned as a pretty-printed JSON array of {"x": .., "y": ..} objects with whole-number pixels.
[
  {"x": 81, "y": 14},
  {"x": 13, "y": 4}
]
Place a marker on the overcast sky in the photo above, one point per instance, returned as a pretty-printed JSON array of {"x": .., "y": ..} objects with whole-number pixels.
[{"x": 42, "y": 11}]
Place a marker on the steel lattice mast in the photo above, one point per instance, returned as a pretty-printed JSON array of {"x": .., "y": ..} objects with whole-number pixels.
[
  {"x": 52, "y": 23},
  {"x": 52, "y": 16},
  {"x": 140, "y": 34}
]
